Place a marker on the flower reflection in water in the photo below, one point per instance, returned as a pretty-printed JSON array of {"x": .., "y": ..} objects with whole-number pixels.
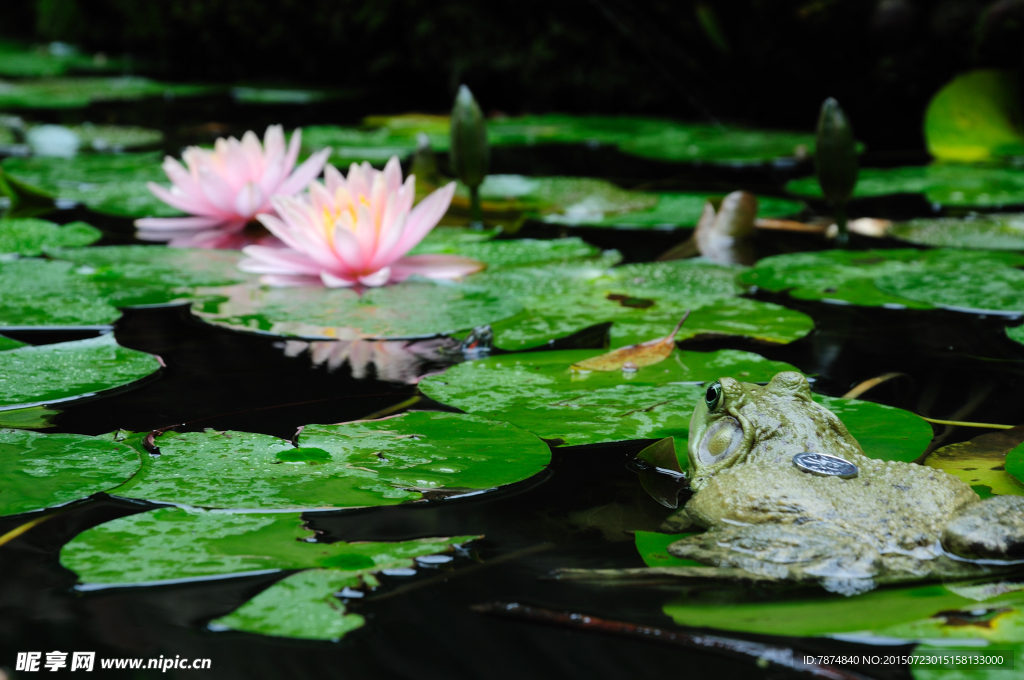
[{"x": 396, "y": 361}]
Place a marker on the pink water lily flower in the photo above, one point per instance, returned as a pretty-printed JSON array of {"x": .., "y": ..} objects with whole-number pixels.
[
  {"x": 225, "y": 189},
  {"x": 355, "y": 231}
]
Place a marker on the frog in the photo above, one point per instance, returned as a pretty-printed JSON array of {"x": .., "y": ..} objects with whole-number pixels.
[{"x": 767, "y": 518}]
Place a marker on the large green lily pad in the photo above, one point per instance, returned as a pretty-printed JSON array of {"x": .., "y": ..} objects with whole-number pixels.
[
  {"x": 538, "y": 392},
  {"x": 948, "y": 184},
  {"x": 981, "y": 462},
  {"x": 112, "y": 184},
  {"x": 39, "y": 471},
  {"x": 9, "y": 343},
  {"x": 996, "y": 231},
  {"x": 50, "y": 293},
  {"x": 922, "y": 612},
  {"x": 49, "y": 373},
  {"x": 32, "y": 236},
  {"x": 172, "y": 544},
  {"x": 412, "y": 308},
  {"x": 660, "y": 139},
  {"x": 302, "y": 605},
  {"x": 645, "y": 301},
  {"x": 1015, "y": 463},
  {"x": 884, "y": 432},
  {"x": 37, "y": 61},
  {"x": 381, "y": 462},
  {"x": 954, "y": 279},
  {"x": 976, "y": 117},
  {"x": 70, "y": 93},
  {"x": 673, "y": 209}
]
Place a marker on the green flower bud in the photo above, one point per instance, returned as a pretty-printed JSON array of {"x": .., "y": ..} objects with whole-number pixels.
[
  {"x": 836, "y": 154},
  {"x": 469, "y": 152}
]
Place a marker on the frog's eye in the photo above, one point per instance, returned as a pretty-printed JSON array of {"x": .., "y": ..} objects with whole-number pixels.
[{"x": 713, "y": 396}]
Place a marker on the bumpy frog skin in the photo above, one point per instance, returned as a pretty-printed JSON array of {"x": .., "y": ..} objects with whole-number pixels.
[{"x": 893, "y": 522}]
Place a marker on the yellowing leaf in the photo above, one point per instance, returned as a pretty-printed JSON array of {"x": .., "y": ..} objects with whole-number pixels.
[
  {"x": 981, "y": 461},
  {"x": 634, "y": 356}
]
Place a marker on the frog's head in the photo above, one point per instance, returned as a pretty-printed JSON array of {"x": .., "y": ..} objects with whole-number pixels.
[{"x": 735, "y": 420}]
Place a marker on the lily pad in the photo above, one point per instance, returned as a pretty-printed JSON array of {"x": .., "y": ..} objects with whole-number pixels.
[
  {"x": 981, "y": 231},
  {"x": 50, "y": 373},
  {"x": 36, "y": 61},
  {"x": 658, "y": 139},
  {"x": 1015, "y": 463},
  {"x": 672, "y": 210},
  {"x": 981, "y": 462},
  {"x": 1016, "y": 334},
  {"x": 653, "y": 549},
  {"x": 916, "y": 612},
  {"x": 50, "y": 293},
  {"x": 70, "y": 93},
  {"x": 947, "y": 184},
  {"x": 172, "y": 544},
  {"x": 147, "y": 275},
  {"x": 884, "y": 432},
  {"x": 302, "y": 605},
  {"x": 644, "y": 301},
  {"x": 283, "y": 95},
  {"x": 111, "y": 184},
  {"x": 358, "y": 464},
  {"x": 922, "y": 279},
  {"x": 9, "y": 343},
  {"x": 976, "y": 117},
  {"x": 413, "y": 308},
  {"x": 115, "y": 138},
  {"x": 538, "y": 392},
  {"x": 32, "y": 236},
  {"x": 40, "y": 471}
]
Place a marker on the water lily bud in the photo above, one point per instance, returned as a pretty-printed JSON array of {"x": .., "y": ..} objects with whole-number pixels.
[
  {"x": 836, "y": 153},
  {"x": 469, "y": 151}
]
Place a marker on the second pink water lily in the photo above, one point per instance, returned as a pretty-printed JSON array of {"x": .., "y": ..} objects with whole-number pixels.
[{"x": 355, "y": 230}]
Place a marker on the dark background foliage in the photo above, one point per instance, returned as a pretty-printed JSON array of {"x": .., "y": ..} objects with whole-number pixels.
[{"x": 765, "y": 62}]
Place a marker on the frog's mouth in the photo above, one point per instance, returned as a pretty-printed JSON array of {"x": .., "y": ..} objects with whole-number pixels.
[{"x": 720, "y": 441}]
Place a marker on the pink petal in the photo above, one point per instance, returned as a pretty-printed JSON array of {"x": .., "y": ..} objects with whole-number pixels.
[
  {"x": 333, "y": 179},
  {"x": 393, "y": 175},
  {"x": 178, "y": 223},
  {"x": 378, "y": 278},
  {"x": 332, "y": 281},
  {"x": 266, "y": 260},
  {"x": 435, "y": 267},
  {"x": 279, "y": 281},
  {"x": 423, "y": 218},
  {"x": 182, "y": 178},
  {"x": 249, "y": 200},
  {"x": 181, "y": 202},
  {"x": 305, "y": 173},
  {"x": 294, "y": 146}
]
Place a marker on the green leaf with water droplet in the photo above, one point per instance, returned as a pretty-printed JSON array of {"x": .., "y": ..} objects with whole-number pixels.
[
  {"x": 39, "y": 471},
  {"x": 539, "y": 392},
  {"x": 370, "y": 463},
  {"x": 32, "y": 237},
  {"x": 947, "y": 184},
  {"x": 169, "y": 544},
  {"x": 49, "y": 373},
  {"x": 989, "y": 231}
]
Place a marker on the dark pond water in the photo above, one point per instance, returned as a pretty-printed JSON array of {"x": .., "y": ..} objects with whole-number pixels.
[{"x": 573, "y": 515}]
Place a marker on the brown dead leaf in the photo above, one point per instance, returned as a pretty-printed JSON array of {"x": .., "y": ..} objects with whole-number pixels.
[{"x": 634, "y": 356}]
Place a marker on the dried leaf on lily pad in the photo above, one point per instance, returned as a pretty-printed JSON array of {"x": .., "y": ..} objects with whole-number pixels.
[
  {"x": 633, "y": 357},
  {"x": 39, "y": 471},
  {"x": 31, "y": 237},
  {"x": 921, "y": 612},
  {"x": 982, "y": 462},
  {"x": 173, "y": 545},
  {"x": 51, "y": 373},
  {"x": 358, "y": 464},
  {"x": 539, "y": 392}
]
